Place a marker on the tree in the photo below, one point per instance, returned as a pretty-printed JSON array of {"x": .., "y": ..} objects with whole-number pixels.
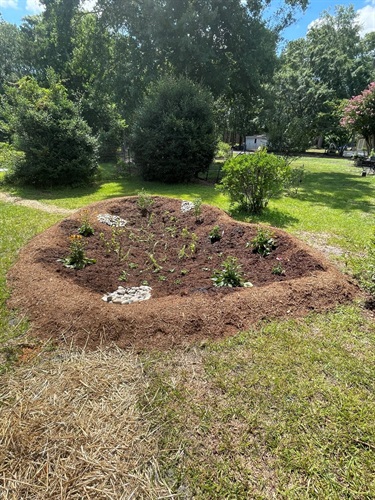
[
  {"x": 48, "y": 38},
  {"x": 252, "y": 180},
  {"x": 338, "y": 56},
  {"x": 57, "y": 143},
  {"x": 227, "y": 46},
  {"x": 294, "y": 102},
  {"x": 359, "y": 115},
  {"x": 315, "y": 73},
  {"x": 81, "y": 52},
  {"x": 10, "y": 54},
  {"x": 173, "y": 137},
  {"x": 93, "y": 55}
]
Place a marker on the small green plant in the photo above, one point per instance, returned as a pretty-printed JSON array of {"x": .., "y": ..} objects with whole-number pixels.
[
  {"x": 77, "y": 258},
  {"x": 184, "y": 272},
  {"x": 155, "y": 265},
  {"x": 263, "y": 243},
  {"x": 85, "y": 228},
  {"x": 182, "y": 254},
  {"x": 151, "y": 219},
  {"x": 172, "y": 230},
  {"x": 115, "y": 243},
  {"x": 230, "y": 275},
  {"x": 215, "y": 234},
  {"x": 132, "y": 265},
  {"x": 185, "y": 234},
  {"x": 193, "y": 246},
  {"x": 162, "y": 277},
  {"x": 197, "y": 209},
  {"x": 123, "y": 276},
  {"x": 144, "y": 202},
  {"x": 105, "y": 242},
  {"x": 278, "y": 268},
  {"x": 188, "y": 250}
]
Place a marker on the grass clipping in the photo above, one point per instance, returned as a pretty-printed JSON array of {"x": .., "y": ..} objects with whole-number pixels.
[{"x": 71, "y": 427}]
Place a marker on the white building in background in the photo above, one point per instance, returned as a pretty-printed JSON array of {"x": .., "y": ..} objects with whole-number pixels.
[{"x": 253, "y": 142}]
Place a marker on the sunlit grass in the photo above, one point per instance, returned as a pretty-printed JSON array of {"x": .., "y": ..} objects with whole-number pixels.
[{"x": 283, "y": 411}]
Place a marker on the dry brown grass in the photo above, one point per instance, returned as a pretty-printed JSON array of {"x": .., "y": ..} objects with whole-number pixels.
[{"x": 71, "y": 427}]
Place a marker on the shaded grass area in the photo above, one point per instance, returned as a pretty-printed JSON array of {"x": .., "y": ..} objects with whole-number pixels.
[
  {"x": 284, "y": 411},
  {"x": 17, "y": 226}
]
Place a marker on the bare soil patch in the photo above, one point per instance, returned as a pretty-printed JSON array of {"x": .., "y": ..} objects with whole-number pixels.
[{"x": 66, "y": 304}]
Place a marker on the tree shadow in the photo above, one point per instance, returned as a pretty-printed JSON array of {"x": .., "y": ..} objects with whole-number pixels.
[
  {"x": 273, "y": 216},
  {"x": 338, "y": 190}
]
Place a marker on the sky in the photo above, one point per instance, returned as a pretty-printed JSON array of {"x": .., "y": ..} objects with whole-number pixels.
[{"x": 13, "y": 11}]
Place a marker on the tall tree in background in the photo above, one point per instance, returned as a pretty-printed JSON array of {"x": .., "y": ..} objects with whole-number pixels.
[
  {"x": 339, "y": 58},
  {"x": 332, "y": 63},
  {"x": 48, "y": 37},
  {"x": 295, "y": 100},
  {"x": 91, "y": 71},
  {"x": 76, "y": 47},
  {"x": 10, "y": 54},
  {"x": 225, "y": 45}
]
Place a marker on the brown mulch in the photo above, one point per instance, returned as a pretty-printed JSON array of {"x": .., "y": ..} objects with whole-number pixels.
[{"x": 65, "y": 304}]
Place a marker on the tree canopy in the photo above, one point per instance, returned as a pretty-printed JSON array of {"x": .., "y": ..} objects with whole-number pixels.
[
  {"x": 315, "y": 74},
  {"x": 108, "y": 57}
]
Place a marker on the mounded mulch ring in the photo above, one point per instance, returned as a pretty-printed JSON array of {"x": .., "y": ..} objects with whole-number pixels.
[{"x": 169, "y": 250}]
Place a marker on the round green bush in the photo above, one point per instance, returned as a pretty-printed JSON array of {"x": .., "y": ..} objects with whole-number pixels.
[
  {"x": 173, "y": 137},
  {"x": 251, "y": 180}
]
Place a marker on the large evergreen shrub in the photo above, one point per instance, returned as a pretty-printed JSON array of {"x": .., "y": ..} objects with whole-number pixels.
[
  {"x": 47, "y": 127},
  {"x": 173, "y": 137}
]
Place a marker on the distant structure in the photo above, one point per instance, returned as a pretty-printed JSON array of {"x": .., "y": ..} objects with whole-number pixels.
[{"x": 254, "y": 142}]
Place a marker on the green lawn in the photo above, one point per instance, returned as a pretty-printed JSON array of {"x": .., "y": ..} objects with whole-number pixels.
[{"x": 284, "y": 410}]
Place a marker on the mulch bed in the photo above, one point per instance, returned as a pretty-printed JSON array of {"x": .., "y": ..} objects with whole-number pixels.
[{"x": 65, "y": 304}]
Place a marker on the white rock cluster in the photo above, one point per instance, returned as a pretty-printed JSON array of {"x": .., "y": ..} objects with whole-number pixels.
[
  {"x": 186, "y": 206},
  {"x": 112, "y": 220},
  {"x": 128, "y": 295}
]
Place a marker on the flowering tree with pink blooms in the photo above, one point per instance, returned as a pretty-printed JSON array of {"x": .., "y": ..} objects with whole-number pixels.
[{"x": 359, "y": 115}]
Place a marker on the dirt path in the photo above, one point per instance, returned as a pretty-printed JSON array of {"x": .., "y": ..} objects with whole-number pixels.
[{"x": 52, "y": 209}]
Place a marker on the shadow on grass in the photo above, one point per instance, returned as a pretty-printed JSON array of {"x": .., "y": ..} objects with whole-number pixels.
[
  {"x": 273, "y": 216},
  {"x": 338, "y": 190}
]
